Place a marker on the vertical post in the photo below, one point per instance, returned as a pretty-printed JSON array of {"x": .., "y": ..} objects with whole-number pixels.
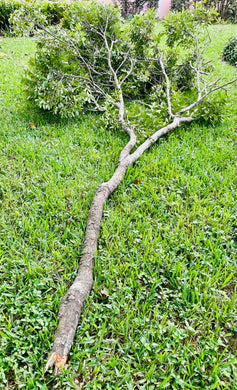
[{"x": 163, "y": 8}]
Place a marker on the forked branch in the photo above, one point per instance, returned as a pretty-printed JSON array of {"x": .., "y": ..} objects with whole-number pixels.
[{"x": 72, "y": 303}]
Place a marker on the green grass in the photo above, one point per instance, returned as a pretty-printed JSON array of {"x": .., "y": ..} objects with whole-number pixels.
[{"x": 166, "y": 256}]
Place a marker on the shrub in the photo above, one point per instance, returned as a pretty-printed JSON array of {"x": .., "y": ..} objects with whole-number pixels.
[
  {"x": 58, "y": 80},
  {"x": 230, "y": 51},
  {"x": 213, "y": 110},
  {"x": 70, "y": 72},
  {"x": 232, "y": 13},
  {"x": 227, "y": 9},
  {"x": 51, "y": 10},
  {"x": 6, "y": 9}
]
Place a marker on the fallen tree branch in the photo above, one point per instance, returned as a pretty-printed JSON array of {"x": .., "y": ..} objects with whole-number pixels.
[{"x": 72, "y": 303}]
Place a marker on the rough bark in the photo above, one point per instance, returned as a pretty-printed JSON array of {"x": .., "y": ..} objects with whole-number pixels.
[{"x": 72, "y": 303}]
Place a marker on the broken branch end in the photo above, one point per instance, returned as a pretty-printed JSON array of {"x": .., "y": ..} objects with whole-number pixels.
[{"x": 57, "y": 361}]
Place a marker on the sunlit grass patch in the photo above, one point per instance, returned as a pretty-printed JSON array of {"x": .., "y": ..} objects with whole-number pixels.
[{"x": 166, "y": 255}]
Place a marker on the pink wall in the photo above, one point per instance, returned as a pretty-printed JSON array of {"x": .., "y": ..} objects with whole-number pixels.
[{"x": 164, "y": 8}]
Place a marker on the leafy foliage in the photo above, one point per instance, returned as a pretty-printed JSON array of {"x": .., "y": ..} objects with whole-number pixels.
[
  {"x": 69, "y": 73},
  {"x": 51, "y": 11},
  {"x": 213, "y": 111},
  {"x": 59, "y": 76},
  {"x": 230, "y": 51},
  {"x": 59, "y": 79},
  {"x": 6, "y": 9},
  {"x": 227, "y": 9},
  {"x": 182, "y": 27}
]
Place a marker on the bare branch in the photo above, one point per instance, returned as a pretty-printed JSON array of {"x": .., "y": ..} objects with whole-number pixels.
[
  {"x": 124, "y": 60},
  {"x": 198, "y": 101},
  {"x": 129, "y": 72},
  {"x": 167, "y": 85}
]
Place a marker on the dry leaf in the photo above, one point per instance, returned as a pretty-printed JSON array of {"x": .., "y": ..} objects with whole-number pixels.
[
  {"x": 69, "y": 220},
  {"x": 103, "y": 292},
  {"x": 104, "y": 357},
  {"x": 137, "y": 181},
  {"x": 31, "y": 125}
]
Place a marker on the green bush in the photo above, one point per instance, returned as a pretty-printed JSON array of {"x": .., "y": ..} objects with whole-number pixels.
[
  {"x": 230, "y": 51},
  {"x": 70, "y": 71},
  {"x": 52, "y": 10},
  {"x": 58, "y": 80},
  {"x": 232, "y": 13},
  {"x": 213, "y": 110},
  {"x": 6, "y": 9},
  {"x": 227, "y": 9}
]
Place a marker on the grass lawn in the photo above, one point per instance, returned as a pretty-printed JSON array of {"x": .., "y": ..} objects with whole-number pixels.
[{"x": 166, "y": 256}]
